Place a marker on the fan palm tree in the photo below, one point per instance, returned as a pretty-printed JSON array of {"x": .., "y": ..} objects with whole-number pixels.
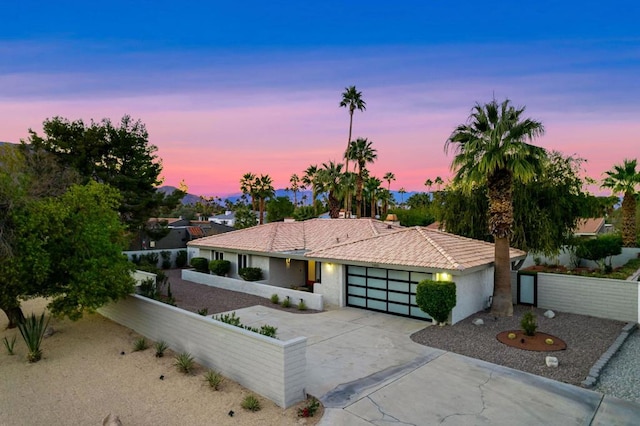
[
  {"x": 248, "y": 188},
  {"x": 492, "y": 147},
  {"x": 402, "y": 191},
  {"x": 295, "y": 187},
  {"x": 329, "y": 180},
  {"x": 623, "y": 178},
  {"x": 371, "y": 190},
  {"x": 385, "y": 197},
  {"x": 362, "y": 153},
  {"x": 438, "y": 182},
  {"x": 263, "y": 190},
  {"x": 351, "y": 99},
  {"x": 309, "y": 180}
]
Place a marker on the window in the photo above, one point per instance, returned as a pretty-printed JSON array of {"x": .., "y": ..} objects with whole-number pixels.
[
  {"x": 242, "y": 261},
  {"x": 318, "y": 272},
  {"x": 218, "y": 255}
]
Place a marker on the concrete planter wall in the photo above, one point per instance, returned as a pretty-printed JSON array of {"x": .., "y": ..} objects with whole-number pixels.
[
  {"x": 269, "y": 367},
  {"x": 312, "y": 300}
]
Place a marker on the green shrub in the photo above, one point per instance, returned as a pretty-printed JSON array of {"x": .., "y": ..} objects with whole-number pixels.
[
  {"x": 160, "y": 347},
  {"x": 286, "y": 303},
  {"x": 150, "y": 259},
  {"x": 220, "y": 267},
  {"x": 251, "y": 403},
  {"x": 181, "y": 259},
  {"x": 275, "y": 299},
  {"x": 200, "y": 264},
  {"x": 214, "y": 379},
  {"x": 9, "y": 344},
  {"x": 232, "y": 319},
  {"x": 184, "y": 363},
  {"x": 166, "y": 259},
  {"x": 599, "y": 249},
  {"x": 436, "y": 298},
  {"x": 204, "y": 312},
  {"x": 268, "y": 330},
  {"x": 529, "y": 323},
  {"x": 302, "y": 306},
  {"x": 32, "y": 331},
  {"x": 140, "y": 344},
  {"x": 147, "y": 288},
  {"x": 250, "y": 273}
]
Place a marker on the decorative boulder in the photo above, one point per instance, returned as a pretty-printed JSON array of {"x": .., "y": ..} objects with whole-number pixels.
[
  {"x": 550, "y": 314},
  {"x": 478, "y": 321},
  {"x": 551, "y": 361},
  {"x": 49, "y": 332}
]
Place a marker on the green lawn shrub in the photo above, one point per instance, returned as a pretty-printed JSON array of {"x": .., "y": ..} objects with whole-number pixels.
[
  {"x": 250, "y": 273},
  {"x": 200, "y": 264},
  {"x": 220, "y": 267},
  {"x": 436, "y": 298}
]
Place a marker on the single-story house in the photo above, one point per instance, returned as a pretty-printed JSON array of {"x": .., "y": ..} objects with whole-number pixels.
[
  {"x": 364, "y": 263},
  {"x": 592, "y": 227}
]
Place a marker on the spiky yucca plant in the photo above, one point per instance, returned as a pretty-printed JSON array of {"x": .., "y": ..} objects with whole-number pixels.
[{"x": 32, "y": 331}]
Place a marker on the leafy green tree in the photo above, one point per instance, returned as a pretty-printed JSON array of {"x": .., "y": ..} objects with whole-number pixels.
[
  {"x": 279, "y": 208},
  {"x": 420, "y": 216},
  {"x": 304, "y": 213},
  {"x": 362, "y": 153},
  {"x": 623, "y": 178},
  {"x": 599, "y": 249},
  {"x": 245, "y": 217},
  {"x": 492, "y": 148},
  {"x": 419, "y": 200},
  {"x": 70, "y": 250},
  {"x": 118, "y": 155}
]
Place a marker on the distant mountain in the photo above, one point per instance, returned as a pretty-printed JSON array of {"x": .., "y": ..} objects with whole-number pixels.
[{"x": 188, "y": 199}]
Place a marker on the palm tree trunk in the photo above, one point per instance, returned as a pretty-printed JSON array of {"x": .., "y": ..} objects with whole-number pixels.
[
  {"x": 261, "y": 204},
  {"x": 502, "y": 305},
  {"x": 500, "y": 193},
  {"x": 334, "y": 206},
  {"x": 359, "y": 196},
  {"x": 629, "y": 220},
  {"x": 15, "y": 315}
]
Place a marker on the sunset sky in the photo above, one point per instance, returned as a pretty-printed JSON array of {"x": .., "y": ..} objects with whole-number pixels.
[{"x": 225, "y": 88}]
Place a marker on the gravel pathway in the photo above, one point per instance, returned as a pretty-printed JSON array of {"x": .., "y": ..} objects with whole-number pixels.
[
  {"x": 586, "y": 337},
  {"x": 621, "y": 377},
  {"x": 193, "y": 297}
]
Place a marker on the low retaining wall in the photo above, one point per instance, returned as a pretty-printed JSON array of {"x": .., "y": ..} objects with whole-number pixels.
[
  {"x": 312, "y": 300},
  {"x": 269, "y": 367},
  {"x": 598, "y": 297}
]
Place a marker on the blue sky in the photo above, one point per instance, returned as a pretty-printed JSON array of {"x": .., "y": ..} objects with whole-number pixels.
[{"x": 259, "y": 82}]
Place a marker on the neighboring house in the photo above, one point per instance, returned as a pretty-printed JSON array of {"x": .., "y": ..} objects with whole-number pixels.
[
  {"x": 181, "y": 231},
  {"x": 591, "y": 228},
  {"x": 229, "y": 218},
  {"x": 363, "y": 263}
]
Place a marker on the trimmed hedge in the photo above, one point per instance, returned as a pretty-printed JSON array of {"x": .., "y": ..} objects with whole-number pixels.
[
  {"x": 436, "y": 298},
  {"x": 250, "y": 274},
  {"x": 200, "y": 264},
  {"x": 220, "y": 267},
  {"x": 181, "y": 259}
]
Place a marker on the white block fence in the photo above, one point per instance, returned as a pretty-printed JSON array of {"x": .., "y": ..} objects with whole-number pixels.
[
  {"x": 272, "y": 368},
  {"x": 312, "y": 300}
]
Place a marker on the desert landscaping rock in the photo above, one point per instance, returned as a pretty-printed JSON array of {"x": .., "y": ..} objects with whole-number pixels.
[
  {"x": 551, "y": 361},
  {"x": 549, "y": 314},
  {"x": 478, "y": 321}
]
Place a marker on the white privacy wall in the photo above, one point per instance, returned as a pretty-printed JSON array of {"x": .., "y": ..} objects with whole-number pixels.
[{"x": 269, "y": 367}]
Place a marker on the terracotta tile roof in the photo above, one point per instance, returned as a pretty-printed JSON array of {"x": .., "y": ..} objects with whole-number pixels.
[
  {"x": 416, "y": 246},
  {"x": 589, "y": 226},
  {"x": 195, "y": 231},
  {"x": 296, "y": 236}
]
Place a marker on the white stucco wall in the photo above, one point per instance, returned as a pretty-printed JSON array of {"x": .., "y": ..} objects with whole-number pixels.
[
  {"x": 332, "y": 285},
  {"x": 281, "y": 276},
  {"x": 273, "y": 368},
  {"x": 472, "y": 293}
]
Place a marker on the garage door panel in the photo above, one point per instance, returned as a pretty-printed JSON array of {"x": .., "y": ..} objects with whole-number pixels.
[{"x": 384, "y": 290}]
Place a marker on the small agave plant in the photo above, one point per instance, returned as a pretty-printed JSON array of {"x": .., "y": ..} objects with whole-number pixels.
[{"x": 32, "y": 331}]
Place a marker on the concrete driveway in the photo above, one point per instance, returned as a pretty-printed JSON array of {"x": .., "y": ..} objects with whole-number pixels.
[{"x": 366, "y": 370}]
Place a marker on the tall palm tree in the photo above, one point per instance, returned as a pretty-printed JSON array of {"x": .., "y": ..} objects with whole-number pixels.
[
  {"x": 329, "y": 179},
  {"x": 248, "y": 188},
  {"x": 264, "y": 190},
  {"x": 371, "y": 190},
  {"x": 402, "y": 191},
  {"x": 438, "y": 182},
  {"x": 351, "y": 99},
  {"x": 389, "y": 176},
  {"x": 623, "y": 178},
  {"x": 295, "y": 187},
  {"x": 385, "y": 197},
  {"x": 362, "y": 153},
  {"x": 492, "y": 147},
  {"x": 309, "y": 180}
]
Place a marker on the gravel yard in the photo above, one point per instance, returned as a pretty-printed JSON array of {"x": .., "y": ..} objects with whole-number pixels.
[{"x": 587, "y": 338}]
